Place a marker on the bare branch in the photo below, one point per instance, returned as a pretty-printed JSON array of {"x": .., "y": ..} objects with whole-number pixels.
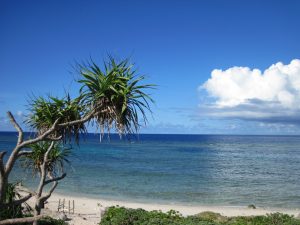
[
  {"x": 47, "y": 153},
  {"x": 44, "y": 198},
  {"x": 42, "y": 136},
  {"x": 55, "y": 178},
  {"x": 17, "y": 126},
  {"x": 21, "y": 220},
  {"x": 14, "y": 155},
  {"x": 21, "y": 153},
  {"x": 54, "y": 138},
  {"x": 17, "y": 202},
  {"x": 2, "y": 153},
  {"x": 21, "y": 188},
  {"x": 1, "y": 162},
  {"x": 83, "y": 120},
  {"x": 43, "y": 170}
]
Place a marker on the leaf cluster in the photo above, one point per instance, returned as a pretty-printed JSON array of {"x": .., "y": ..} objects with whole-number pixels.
[
  {"x": 45, "y": 111},
  {"x": 116, "y": 95},
  {"x": 112, "y": 97},
  {"x": 12, "y": 211},
  {"x": 51, "y": 221},
  {"x": 57, "y": 157}
]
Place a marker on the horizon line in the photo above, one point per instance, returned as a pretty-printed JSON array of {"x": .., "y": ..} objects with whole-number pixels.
[{"x": 137, "y": 134}]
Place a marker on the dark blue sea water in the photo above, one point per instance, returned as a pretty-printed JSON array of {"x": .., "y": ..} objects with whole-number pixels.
[{"x": 184, "y": 169}]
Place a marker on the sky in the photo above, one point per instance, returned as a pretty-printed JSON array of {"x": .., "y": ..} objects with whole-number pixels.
[{"x": 221, "y": 67}]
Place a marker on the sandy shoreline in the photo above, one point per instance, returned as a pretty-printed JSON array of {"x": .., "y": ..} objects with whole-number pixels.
[{"x": 88, "y": 210}]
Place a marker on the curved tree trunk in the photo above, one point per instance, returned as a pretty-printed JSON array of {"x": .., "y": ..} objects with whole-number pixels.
[
  {"x": 3, "y": 186},
  {"x": 3, "y": 179},
  {"x": 37, "y": 210}
]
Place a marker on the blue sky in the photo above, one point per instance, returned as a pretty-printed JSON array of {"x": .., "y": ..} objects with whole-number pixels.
[{"x": 177, "y": 44}]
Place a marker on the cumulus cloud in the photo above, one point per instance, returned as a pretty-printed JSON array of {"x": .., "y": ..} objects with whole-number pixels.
[{"x": 244, "y": 93}]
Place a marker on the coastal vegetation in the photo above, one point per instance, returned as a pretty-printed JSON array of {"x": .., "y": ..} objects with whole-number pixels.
[
  {"x": 111, "y": 98},
  {"x": 12, "y": 210},
  {"x": 125, "y": 216}
]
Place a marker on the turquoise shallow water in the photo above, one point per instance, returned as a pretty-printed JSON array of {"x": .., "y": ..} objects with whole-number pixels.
[{"x": 185, "y": 169}]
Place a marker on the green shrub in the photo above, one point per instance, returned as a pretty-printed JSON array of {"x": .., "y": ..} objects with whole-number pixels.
[
  {"x": 270, "y": 219},
  {"x": 121, "y": 215},
  {"x": 12, "y": 211},
  {"x": 124, "y": 216},
  {"x": 211, "y": 216},
  {"x": 51, "y": 221}
]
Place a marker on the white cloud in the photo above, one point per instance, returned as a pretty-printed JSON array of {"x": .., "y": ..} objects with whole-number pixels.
[
  {"x": 242, "y": 92},
  {"x": 20, "y": 113}
]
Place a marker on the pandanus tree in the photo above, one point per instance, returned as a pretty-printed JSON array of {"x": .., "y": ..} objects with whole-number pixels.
[
  {"x": 112, "y": 97},
  {"x": 47, "y": 159}
]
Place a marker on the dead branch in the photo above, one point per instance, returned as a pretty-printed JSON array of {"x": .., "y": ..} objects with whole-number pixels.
[
  {"x": 55, "y": 178},
  {"x": 42, "y": 136},
  {"x": 17, "y": 126},
  {"x": 44, "y": 198},
  {"x": 14, "y": 155},
  {"x": 17, "y": 202},
  {"x": 54, "y": 138},
  {"x": 22, "y": 153},
  {"x": 83, "y": 120},
  {"x": 1, "y": 163},
  {"x": 47, "y": 153},
  {"x": 22, "y": 220}
]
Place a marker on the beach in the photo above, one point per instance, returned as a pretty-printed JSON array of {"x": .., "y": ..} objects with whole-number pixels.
[{"x": 88, "y": 210}]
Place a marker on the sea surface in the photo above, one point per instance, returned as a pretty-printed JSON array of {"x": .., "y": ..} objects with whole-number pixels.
[{"x": 222, "y": 170}]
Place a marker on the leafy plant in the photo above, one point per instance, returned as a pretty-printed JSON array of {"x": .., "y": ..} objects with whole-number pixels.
[
  {"x": 51, "y": 221},
  {"x": 115, "y": 94},
  {"x": 56, "y": 158},
  {"x": 45, "y": 111},
  {"x": 12, "y": 210}
]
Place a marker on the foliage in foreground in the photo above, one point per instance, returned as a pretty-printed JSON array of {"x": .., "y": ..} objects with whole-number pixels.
[
  {"x": 16, "y": 211},
  {"x": 12, "y": 210},
  {"x": 51, "y": 221},
  {"x": 120, "y": 215},
  {"x": 46, "y": 221}
]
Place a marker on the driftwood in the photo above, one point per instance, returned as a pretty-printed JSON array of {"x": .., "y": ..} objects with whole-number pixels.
[{"x": 22, "y": 220}]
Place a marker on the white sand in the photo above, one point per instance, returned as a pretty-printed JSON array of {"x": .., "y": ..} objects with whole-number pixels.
[{"x": 88, "y": 210}]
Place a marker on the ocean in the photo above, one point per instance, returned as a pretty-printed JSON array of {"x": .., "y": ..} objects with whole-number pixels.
[{"x": 223, "y": 170}]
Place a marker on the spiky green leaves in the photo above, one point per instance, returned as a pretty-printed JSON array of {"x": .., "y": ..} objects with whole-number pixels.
[
  {"x": 115, "y": 95},
  {"x": 12, "y": 210},
  {"x": 58, "y": 155},
  {"x": 45, "y": 111}
]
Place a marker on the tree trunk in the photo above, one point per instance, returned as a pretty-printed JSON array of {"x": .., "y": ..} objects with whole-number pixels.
[
  {"x": 37, "y": 210},
  {"x": 3, "y": 186},
  {"x": 19, "y": 221},
  {"x": 3, "y": 179}
]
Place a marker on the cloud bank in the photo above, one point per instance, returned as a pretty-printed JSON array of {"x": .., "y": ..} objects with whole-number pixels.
[{"x": 272, "y": 95}]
